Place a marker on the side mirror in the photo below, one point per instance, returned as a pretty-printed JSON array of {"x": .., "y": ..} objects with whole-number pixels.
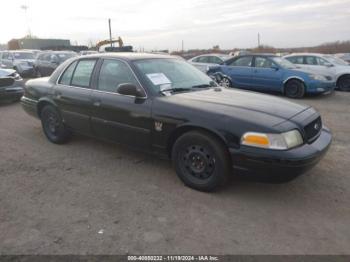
[
  {"x": 328, "y": 65},
  {"x": 129, "y": 89},
  {"x": 276, "y": 68}
]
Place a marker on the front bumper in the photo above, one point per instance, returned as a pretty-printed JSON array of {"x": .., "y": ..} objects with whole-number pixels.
[
  {"x": 13, "y": 92},
  {"x": 318, "y": 87},
  {"x": 286, "y": 163}
]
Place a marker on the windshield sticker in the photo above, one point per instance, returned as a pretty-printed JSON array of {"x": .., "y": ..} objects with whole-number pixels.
[{"x": 158, "y": 79}]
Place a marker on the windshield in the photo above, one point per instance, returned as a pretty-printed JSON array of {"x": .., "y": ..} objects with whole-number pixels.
[
  {"x": 335, "y": 60},
  {"x": 283, "y": 62},
  {"x": 166, "y": 74},
  {"x": 22, "y": 55},
  {"x": 225, "y": 57}
]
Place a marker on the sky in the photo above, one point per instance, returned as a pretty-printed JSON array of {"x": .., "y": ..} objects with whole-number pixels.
[{"x": 163, "y": 24}]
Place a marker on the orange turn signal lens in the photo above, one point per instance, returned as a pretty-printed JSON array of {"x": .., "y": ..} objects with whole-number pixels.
[{"x": 255, "y": 139}]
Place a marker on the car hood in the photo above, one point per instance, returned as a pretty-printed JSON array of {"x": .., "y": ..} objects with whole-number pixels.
[
  {"x": 6, "y": 72},
  {"x": 242, "y": 104}
]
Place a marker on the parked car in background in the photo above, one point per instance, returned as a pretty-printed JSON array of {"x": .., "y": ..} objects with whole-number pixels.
[
  {"x": 35, "y": 52},
  {"x": 325, "y": 64},
  {"x": 270, "y": 73},
  {"x": 87, "y": 52},
  {"x": 11, "y": 85},
  {"x": 48, "y": 61},
  {"x": 344, "y": 56},
  {"x": 21, "y": 61},
  {"x": 163, "y": 105},
  {"x": 203, "y": 62}
]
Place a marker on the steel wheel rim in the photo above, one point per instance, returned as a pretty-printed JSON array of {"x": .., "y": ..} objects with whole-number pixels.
[
  {"x": 197, "y": 162},
  {"x": 52, "y": 123}
]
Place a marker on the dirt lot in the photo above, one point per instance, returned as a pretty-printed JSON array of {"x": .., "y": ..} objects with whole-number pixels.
[{"x": 90, "y": 197}]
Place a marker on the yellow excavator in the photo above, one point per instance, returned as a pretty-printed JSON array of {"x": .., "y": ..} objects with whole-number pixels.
[{"x": 108, "y": 41}]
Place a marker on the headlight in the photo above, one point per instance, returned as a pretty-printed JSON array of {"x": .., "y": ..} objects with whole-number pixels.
[
  {"x": 318, "y": 77},
  {"x": 282, "y": 141}
]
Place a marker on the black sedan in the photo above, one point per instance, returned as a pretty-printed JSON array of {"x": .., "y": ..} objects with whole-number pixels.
[
  {"x": 163, "y": 105},
  {"x": 11, "y": 85}
]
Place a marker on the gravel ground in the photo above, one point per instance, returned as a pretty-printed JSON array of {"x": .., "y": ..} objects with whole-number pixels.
[{"x": 90, "y": 197}]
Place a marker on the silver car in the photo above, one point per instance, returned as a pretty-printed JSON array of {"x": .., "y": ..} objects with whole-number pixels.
[
  {"x": 21, "y": 61},
  {"x": 328, "y": 65},
  {"x": 203, "y": 62}
]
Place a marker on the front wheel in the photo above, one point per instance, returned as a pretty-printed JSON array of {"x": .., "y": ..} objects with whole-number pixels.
[
  {"x": 344, "y": 83},
  {"x": 294, "y": 89},
  {"x": 53, "y": 125},
  {"x": 225, "y": 82},
  {"x": 201, "y": 161}
]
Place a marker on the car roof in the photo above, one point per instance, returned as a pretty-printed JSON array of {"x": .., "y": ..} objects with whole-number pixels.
[
  {"x": 129, "y": 56},
  {"x": 306, "y": 54}
]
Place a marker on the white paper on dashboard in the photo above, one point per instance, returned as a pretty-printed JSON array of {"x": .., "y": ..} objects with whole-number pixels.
[{"x": 158, "y": 79}]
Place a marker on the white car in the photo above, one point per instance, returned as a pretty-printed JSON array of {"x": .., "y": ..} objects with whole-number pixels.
[
  {"x": 327, "y": 65},
  {"x": 203, "y": 62}
]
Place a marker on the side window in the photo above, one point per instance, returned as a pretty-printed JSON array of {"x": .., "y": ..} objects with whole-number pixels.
[
  {"x": 4, "y": 55},
  {"x": 83, "y": 72},
  {"x": 203, "y": 59},
  {"x": 114, "y": 73},
  {"x": 263, "y": 62},
  {"x": 196, "y": 60},
  {"x": 215, "y": 60},
  {"x": 321, "y": 61},
  {"x": 310, "y": 60},
  {"x": 296, "y": 60},
  {"x": 242, "y": 61},
  {"x": 67, "y": 75}
]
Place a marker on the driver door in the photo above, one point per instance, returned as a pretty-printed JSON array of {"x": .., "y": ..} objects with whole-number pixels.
[{"x": 120, "y": 118}]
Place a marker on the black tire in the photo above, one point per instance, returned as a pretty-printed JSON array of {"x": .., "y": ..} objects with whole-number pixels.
[
  {"x": 201, "y": 161},
  {"x": 53, "y": 125},
  {"x": 294, "y": 89},
  {"x": 343, "y": 83},
  {"x": 225, "y": 82}
]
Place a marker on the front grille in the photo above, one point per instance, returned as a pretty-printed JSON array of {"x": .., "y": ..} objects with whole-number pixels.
[{"x": 313, "y": 129}]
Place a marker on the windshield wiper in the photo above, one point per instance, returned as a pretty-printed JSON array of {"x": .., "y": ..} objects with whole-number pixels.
[
  {"x": 201, "y": 86},
  {"x": 175, "y": 89}
]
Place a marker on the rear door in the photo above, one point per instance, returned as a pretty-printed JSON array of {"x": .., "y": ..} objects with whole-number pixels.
[
  {"x": 240, "y": 71},
  {"x": 266, "y": 75},
  {"x": 72, "y": 94},
  {"x": 116, "y": 117}
]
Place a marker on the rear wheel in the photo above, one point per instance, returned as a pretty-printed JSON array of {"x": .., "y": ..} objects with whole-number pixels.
[
  {"x": 201, "y": 161},
  {"x": 53, "y": 125},
  {"x": 294, "y": 89},
  {"x": 344, "y": 83}
]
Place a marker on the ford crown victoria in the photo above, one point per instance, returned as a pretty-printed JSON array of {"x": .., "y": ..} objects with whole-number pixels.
[{"x": 163, "y": 105}]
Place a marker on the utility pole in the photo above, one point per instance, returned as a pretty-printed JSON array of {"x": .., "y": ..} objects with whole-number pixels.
[
  {"x": 110, "y": 31},
  {"x": 182, "y": 46},
  {"x": 258, "y": 40},
  {"x": 25, "y": 8}
]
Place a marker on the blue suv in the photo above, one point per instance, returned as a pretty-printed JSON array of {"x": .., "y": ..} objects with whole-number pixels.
[{"x": 270, "y": 73}]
